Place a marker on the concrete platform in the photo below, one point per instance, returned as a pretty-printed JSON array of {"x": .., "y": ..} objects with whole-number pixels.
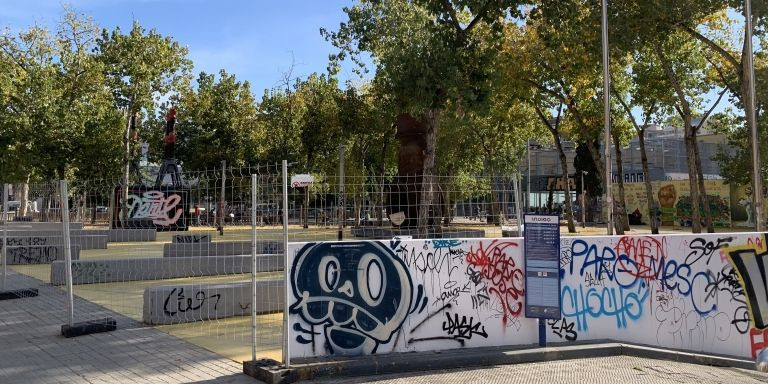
[
  {"x": 77, "y": 237},
  {"x": 220, "y": 248},
  {"x": 191, "y": 238},
  {"x": 184, "y": 303},
  {"x": 40, "y": 226},
  {"x": 115, "y": 270},
  {"x": 121, "y": 235},
  {"x": 381, "y": 233},
  {"x": 308, "y": 369}
]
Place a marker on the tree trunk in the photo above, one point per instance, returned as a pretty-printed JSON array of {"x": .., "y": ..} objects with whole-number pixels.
[
  {"x": 427, "y": 185},
  {"x": 652, "y": 205},
  {"x": 702, "y": 188},
  {"x": 692, "y": 177},
  {"x": 621, "y": 222},
  {"x": 566, "y": 185},
  {"x": 24, "y": 198}
]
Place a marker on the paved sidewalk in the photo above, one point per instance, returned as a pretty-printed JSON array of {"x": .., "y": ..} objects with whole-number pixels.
[
  {"x": 617, "y": 369},
  {"x": 32, "y": 349}
]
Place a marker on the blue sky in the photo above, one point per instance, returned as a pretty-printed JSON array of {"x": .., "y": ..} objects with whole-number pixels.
[{"x": 256, "y": 40}]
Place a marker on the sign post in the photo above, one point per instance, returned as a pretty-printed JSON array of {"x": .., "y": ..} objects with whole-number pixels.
[{"x": 542, "y": 270}]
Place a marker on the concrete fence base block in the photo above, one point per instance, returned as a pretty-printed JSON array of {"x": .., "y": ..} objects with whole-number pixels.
[
  {"x": 18, "y": 294},
  {"x": 220, "y": 248},
  {"x": 89, "y": 327},
  {"x": 38, "y": 254},
  {"x": 175, "y": 304},
  {"x": 272, "y": 372},
  {"x": 107, "y": 271}
]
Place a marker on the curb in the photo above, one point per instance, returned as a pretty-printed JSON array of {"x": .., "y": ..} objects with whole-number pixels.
[{"x": 273, "y": 372}]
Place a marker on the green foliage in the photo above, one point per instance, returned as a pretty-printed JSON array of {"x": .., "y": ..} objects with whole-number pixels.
[
  {"x": 141, "y": 66},
  {"x": 57, "y": 114},
  {"x": 216, "y": 122}
]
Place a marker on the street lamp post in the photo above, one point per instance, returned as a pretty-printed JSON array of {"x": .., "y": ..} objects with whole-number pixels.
[
  {"x": 528, "y": 190},
  {"x": 749, "y": 110},
  {"x": 607, "y": 118}
]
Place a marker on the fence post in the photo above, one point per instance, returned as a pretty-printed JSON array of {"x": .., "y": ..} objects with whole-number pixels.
[
  {"x": 222, "y": 199},
  {"x": 342, "y": 205},
  {"x": 5, "y": 235},
  {"x": 518, "y": 208},
  {"x": 64, "y": 204},
  {"x": 254, "y": 247},
  {"x": 286, "y": 304}
]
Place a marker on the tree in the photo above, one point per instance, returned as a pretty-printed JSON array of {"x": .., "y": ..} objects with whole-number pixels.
[
  {"x": 218, "y": 114},
  {"x": 140, "y": 67},
  {"x": 709, "y": 23},
  {"x": 427, "y": 53},
  {"x": 558, "y": 58}
]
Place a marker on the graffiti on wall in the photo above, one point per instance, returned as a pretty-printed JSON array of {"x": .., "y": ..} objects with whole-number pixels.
[
  {"x": 33, "y": 250},
  {"x": 704, "y": 293},
  {"x": 164, "y": 209},
  {"x": 368, "y": 297},
  {"x": 695, "y": 292}
]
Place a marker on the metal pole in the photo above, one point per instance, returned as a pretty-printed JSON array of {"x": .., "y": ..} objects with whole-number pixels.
[
  {"x": 254, "y": 248},
  {"x": 519, "y": 209},
  {"x": 5, "y": 234},
  {"x": 64, "y": 203},
  {"x": 583, "y": 204},
  {"x": 342, "y": 202},
  {"x": 528, "y": 200},
  {"x": 222, "y": 198},
  {"x": 286, "y": 303},
  {"x": 751, "y": 120},
  {"x": 607, "y": 118}
]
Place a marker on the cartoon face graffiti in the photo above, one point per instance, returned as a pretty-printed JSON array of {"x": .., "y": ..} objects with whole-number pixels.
[{"x": 360, "y": 291}]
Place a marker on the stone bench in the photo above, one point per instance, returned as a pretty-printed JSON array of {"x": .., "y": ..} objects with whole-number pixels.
[
  {"x": 89, "y": 241},
  {"x": 18, "y": 254},
  {"x": 191, "y": 238},
  {"x": 117, "y": 270},
  {"x": 220, "y": 248},
  {"x": 40, "y": 226},
  {"x": 127, "y": 235},
  {"x": 174, "y": 304}
]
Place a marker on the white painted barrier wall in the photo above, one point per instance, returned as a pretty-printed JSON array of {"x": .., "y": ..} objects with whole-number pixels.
[
  {"x": 674, "y": 291},
  {"x": 703, "y": 293},
  {"x": 363, "y": 297}
]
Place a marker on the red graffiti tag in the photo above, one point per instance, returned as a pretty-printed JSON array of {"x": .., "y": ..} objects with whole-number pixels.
[
  {"x": 502, "y": 274},
  {"x": 758, "y": 340},
  {"x": 647, "y": 253}
]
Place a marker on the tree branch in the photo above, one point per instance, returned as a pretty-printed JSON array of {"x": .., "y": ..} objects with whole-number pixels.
[
  {"x": 715, "y": 47},
  {"x": 452, "y": 15},
  {"x": 722, "y": 75},
  {"x": 480, "y": 15},
  {"x": 625, "y": 107},
  {"x": 706, "y": 115}
]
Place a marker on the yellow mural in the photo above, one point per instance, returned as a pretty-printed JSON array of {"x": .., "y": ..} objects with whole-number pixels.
[{"x": 674, "y": 201}]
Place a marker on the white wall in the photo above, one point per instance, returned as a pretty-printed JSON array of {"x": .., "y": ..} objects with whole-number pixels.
[{"x": 675, "y": 291}]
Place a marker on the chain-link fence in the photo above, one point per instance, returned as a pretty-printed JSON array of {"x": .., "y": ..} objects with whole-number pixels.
[{"x": 200, "y": 255}]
